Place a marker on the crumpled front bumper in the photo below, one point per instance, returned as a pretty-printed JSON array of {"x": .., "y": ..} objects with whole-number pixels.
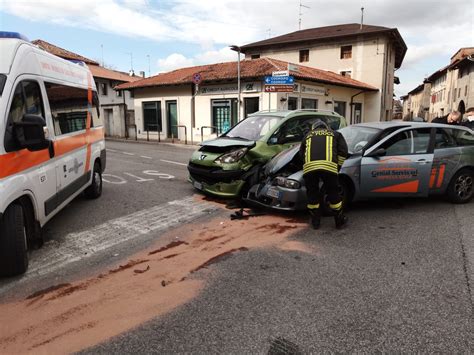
[{"x": 277, "y": 197}]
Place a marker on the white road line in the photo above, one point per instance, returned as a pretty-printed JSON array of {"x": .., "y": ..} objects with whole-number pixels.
[
  {"x": 144, "y": 156},
  {"x": 55, "y": 256},
  {"x": 111, "y": 150},
  {"x": 126, "y": 153},
  {"x": 173, "y": 162}
]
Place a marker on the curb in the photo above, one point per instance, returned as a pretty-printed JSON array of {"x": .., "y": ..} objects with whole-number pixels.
[{"x": 140, "y": 141}]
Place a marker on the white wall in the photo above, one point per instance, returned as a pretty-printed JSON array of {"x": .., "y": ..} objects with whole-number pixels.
[{"x": 372, "y": 62}]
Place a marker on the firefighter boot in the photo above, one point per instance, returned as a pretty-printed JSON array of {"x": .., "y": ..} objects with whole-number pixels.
[
  {"x": 341, "y": 219},
  {"x": 315, "y": 218}
]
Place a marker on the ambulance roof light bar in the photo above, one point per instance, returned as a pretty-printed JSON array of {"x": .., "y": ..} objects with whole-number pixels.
[{"x": 17, "y": 35}]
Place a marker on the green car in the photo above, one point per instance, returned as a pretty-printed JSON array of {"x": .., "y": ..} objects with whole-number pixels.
[{"x": 230, "y": 164}]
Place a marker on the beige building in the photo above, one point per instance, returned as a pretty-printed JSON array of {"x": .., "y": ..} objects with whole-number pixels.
[
  {"x": 370, "y": 54},
  {"x": 448, "y": 89},
  {"x": 170, "y": 103},
  {"x": 116, "y": 108}
]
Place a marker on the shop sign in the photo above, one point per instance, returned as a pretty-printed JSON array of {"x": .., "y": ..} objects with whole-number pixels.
[
  {"x": 315, "y": 90},
  {"x": 230, "y": 88}
]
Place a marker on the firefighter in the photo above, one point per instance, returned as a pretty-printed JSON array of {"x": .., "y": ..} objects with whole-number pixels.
[{"x": 324, "y": 151}]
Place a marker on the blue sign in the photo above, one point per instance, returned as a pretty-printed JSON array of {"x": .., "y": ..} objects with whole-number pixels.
[{"x": 279, "y": 80}]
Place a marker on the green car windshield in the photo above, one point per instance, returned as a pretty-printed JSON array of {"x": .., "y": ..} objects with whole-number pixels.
[
  {"x": 253, "y": 128},
  {"x": 357, "y": 137}
]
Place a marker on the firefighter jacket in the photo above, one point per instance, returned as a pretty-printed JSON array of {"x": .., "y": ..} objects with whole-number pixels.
[{"x": 323, "y": 149}]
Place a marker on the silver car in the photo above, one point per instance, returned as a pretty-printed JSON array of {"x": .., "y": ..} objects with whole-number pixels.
[{"x": 387, "y": 159}]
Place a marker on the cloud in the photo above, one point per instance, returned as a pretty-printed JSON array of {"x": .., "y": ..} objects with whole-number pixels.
[{"x": 177, "y": 60}]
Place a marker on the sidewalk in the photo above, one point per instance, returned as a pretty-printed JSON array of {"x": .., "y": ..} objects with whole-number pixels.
[{"x": 164, "y": 141}]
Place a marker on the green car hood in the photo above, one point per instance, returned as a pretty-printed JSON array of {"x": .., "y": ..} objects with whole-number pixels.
[{"x": 223, "y": 142}]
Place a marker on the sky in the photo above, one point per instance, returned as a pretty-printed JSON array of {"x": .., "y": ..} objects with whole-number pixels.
[{"x": 161, "y": 35}]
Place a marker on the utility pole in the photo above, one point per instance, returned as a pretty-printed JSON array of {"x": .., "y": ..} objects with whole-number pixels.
[
  {"x": 301, "y": 13},
  {"x": 361, "y": 17},
  {"x": 149, "y": 68},
  {"x": 237, "y": 48},
  {"x": 131, "y": 62}
]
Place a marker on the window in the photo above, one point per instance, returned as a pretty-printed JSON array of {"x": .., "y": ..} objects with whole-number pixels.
[
  {"x": 103, "y": 89},
  {"x": 346, "y": 73},
  {"x": 118, "y": 93},
  {"x": 69, "y": 108},
  {"x": 152, "y": 116},
  {"x": 408, "y": 142},
  {"x": 463, "y": 137},
  {"x": 444, "y": 138},
  {"x": 26, "y": 100},
  {"x": 304, "y": 55},
  {"x": 465, "y": 90},
  {"x": 292, "y": 103},
  {"x": 132, "y": 94},
  {"x": 346, "y": 52},
  {"x": 340, "y": 107},
  {"x": 251, "y": 105},
  {"x": 255, "y": 56},
  {"x": 293, "y": 130},
  {"x": 309, "y": 104}
]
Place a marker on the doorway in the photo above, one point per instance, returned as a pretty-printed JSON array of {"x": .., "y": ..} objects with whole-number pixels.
[
  {"x": 357, "y": 113},
  {"x": 224, "y": 114},
  {"x": 172, "y": 118},
  {"x": 250, "y": 105}
]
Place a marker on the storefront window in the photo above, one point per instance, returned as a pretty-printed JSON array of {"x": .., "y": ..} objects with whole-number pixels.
[
  {"x": 309, "y": 104},
  {"x": 292, "y": 103},
  {"x": 152, "y": 116},
  {"x": 251, "y": 105},
  {"x": 340, "y": 107}
]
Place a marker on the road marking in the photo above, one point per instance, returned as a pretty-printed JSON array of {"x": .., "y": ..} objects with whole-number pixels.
[
  {"x": 144, "y": 156},
  {"x": 111, "y": 150},
  {"x": 139, "y": 179},
  {"x": 173, "y": 162},
  {"x": 142, "y": 225},
  {"x": 126, "y": 153},
  {"x": 107, "y": 177},
  {"x": 157, "y": 173}
]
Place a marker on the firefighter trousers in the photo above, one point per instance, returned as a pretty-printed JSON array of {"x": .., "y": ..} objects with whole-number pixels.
[{"x": 331, "y": 186}]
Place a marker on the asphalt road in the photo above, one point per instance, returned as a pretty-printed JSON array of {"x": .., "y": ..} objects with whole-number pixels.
[
  {"x": 138, "y": 177},
  {"x": 399, "y": 278},
  {"x": 395, "y": 280}
]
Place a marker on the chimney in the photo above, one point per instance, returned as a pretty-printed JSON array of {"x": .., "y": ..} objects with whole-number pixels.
[
  {"x": 142, "y": 74},
  {"x": 131, "y": 73}
]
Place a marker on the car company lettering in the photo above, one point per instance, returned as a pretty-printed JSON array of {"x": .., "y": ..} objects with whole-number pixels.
[{"x": 394, "y": 173}]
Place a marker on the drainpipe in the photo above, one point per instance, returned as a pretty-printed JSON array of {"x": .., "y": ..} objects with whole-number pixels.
[{"x": 352, "y": 104}]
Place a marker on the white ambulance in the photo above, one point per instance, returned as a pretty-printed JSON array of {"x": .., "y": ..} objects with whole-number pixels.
[{"x": 52, "y": 144}]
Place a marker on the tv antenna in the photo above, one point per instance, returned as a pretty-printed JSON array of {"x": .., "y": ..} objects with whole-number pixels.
[
  {"x": 301, "y": 13},
  {"x": 269, "y": 32}
]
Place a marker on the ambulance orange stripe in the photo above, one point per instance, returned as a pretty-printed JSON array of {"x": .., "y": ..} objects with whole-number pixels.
[
  {"x": 433, "y": 177},
  {"x": 442, "y": 168},
  {"x": 16, "y": 162},
  {"x": 88, "y": 122},
  {"x": 409, "y": 187}
]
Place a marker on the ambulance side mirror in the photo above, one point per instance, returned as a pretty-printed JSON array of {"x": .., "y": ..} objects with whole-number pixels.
[{"x": 29, "y": 132}]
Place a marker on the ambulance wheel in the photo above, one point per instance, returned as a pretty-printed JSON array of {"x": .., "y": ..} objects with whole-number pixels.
[
  {"x": 95, "y": 190},
  {"x": 461, "y": 187},
  {"x": 13, "y": 244}
]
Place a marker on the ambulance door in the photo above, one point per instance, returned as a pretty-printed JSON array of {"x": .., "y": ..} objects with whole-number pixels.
[
  {"x": 33, "y": 171},
  {"x": 69, "y": 111}
]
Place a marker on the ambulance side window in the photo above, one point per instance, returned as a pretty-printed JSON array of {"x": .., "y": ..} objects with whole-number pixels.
[
  {"x": 69, "y": 107},
  {"x": 26, "y": 100}
]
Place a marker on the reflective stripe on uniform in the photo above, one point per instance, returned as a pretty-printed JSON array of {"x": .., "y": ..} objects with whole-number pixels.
[
  {"x": 320, "y": 165},
  {"x": 308, "y": 150},
  {"x": 340, "y": 160},
  {"x": 336, "y": 206},
  {"x": 313, "y": 207}
]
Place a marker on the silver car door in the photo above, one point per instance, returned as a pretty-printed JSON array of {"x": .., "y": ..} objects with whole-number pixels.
[{"x": 402, "y": 167}]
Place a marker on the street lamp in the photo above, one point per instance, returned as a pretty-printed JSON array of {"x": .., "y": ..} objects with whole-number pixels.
[{"x": 237, "y": 48}]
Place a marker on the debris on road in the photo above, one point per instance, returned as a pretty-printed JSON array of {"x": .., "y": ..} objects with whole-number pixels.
[
  {"x": 242, "y": 214},
  {"x": 138, "y": 271}
]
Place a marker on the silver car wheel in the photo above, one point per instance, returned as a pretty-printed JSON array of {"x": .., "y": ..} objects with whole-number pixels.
[{"x": 464, "y": 186}]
